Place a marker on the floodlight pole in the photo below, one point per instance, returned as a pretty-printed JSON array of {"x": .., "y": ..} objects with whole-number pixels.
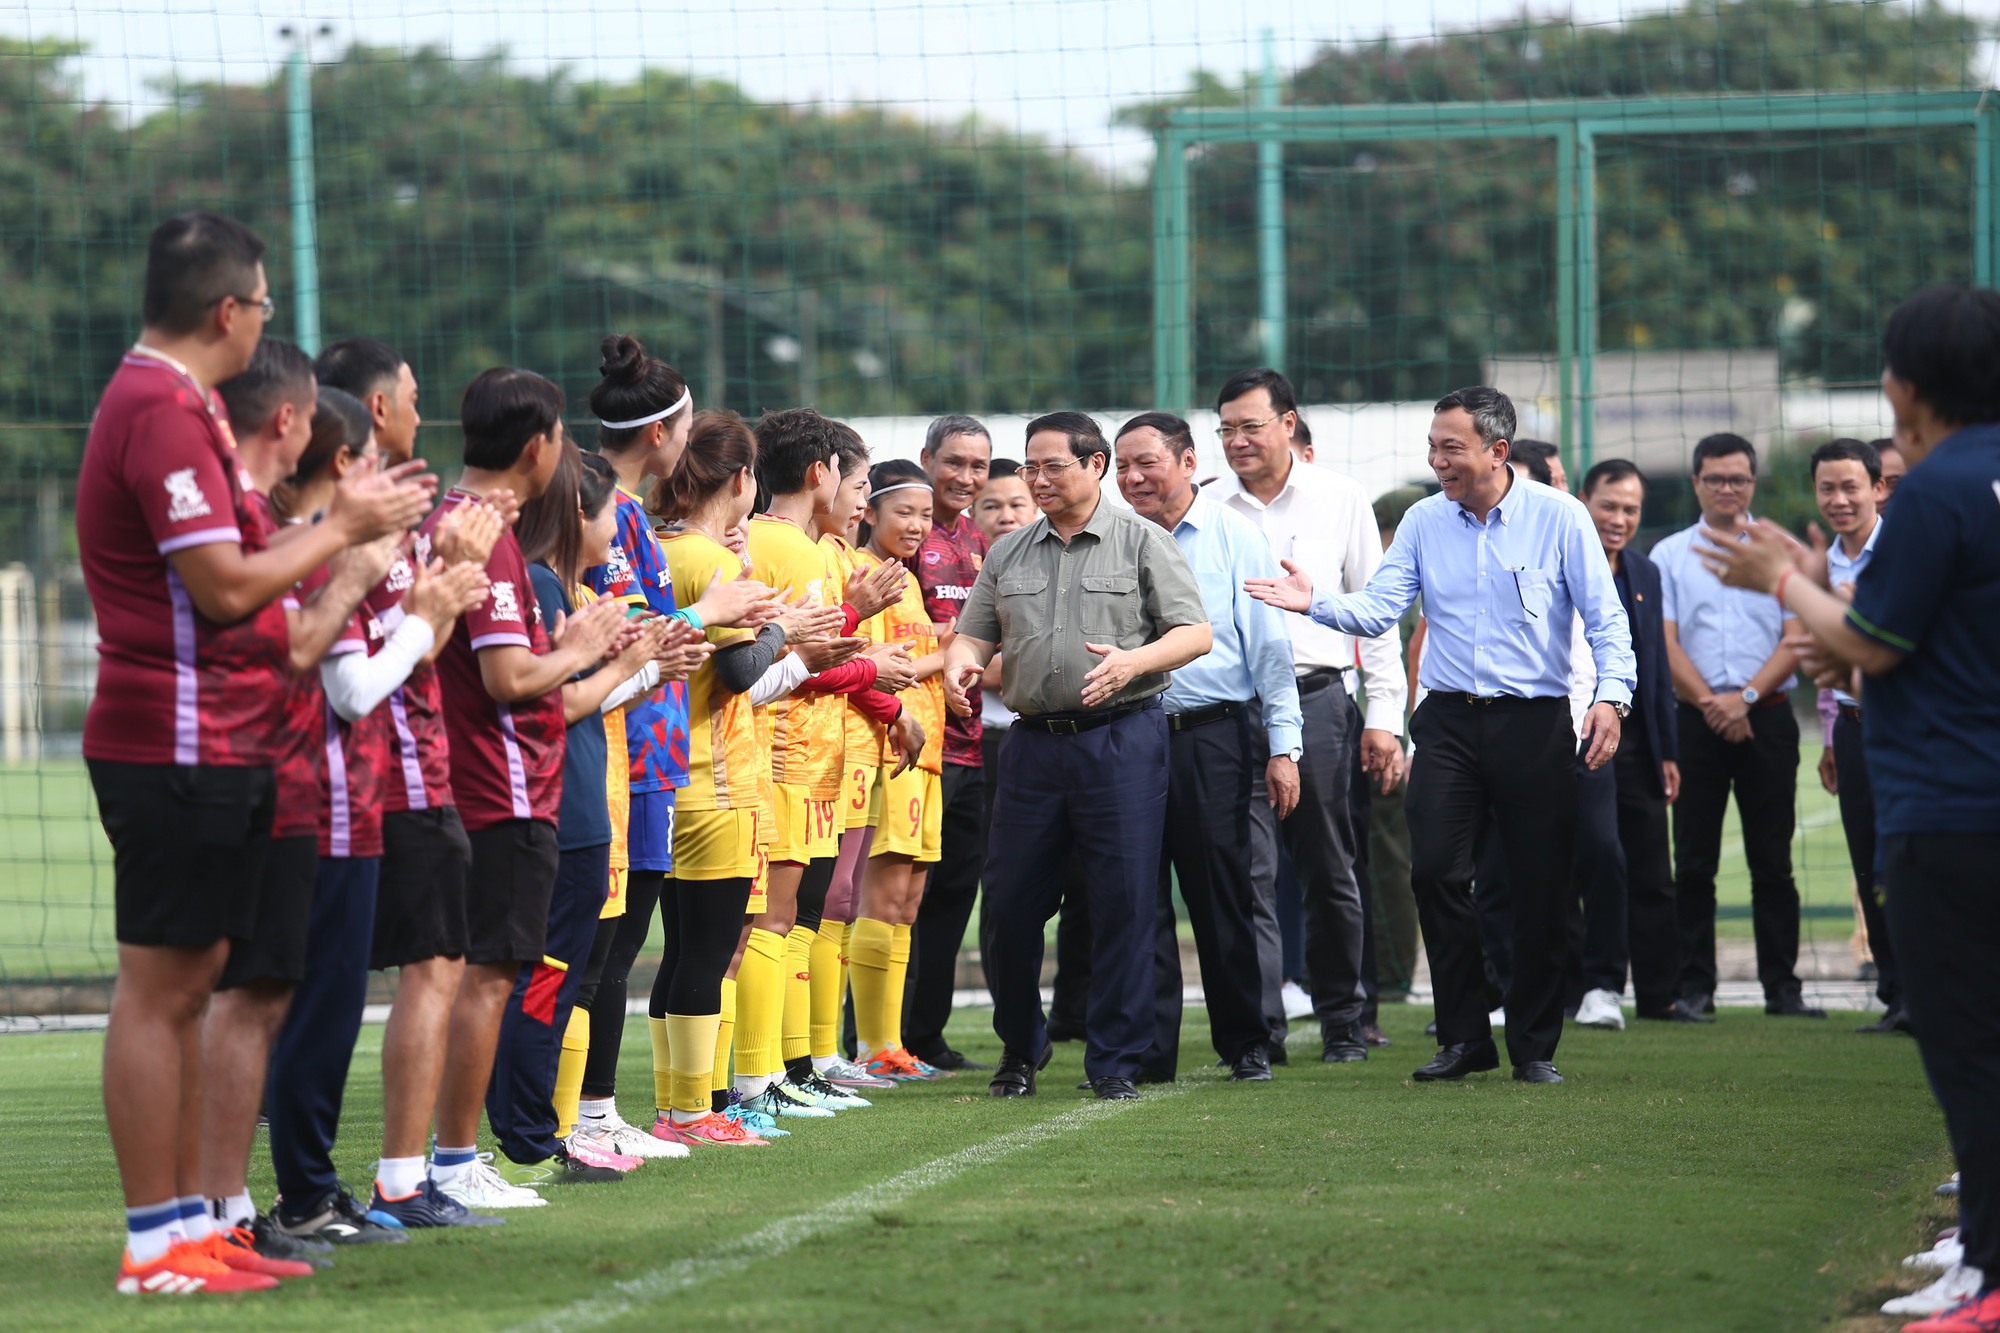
[
  {"x": 1271, "y": 216},
  {"x": 305, "y": 234}
]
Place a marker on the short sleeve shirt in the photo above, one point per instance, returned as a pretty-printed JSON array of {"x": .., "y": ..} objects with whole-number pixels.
[
  {"x": 583, "y": 819},
  {"x": 724, "y": 759},
  {"x": 506, "y": 759},
  {"x": 1121, "y": 580},
  {"x": 417, "y": 772},
  {"x": 1931, "y": 727},
  {"x": 947, "y": 567},
  {"x": 656, "y": 734},
  {"x": 298, "y": 754},
  {"x": 160, "y": 475},
  {"x": 807, "y": 729}
]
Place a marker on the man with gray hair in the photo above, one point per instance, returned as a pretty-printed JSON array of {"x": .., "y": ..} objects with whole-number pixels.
[{"x": 957, "y": 455}]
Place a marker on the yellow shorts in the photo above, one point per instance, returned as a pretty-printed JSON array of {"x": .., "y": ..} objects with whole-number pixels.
[
  {"x": 614, "y": 899},
  {"x": 912, "y": 817},
  {"x": 802, "y": 829},
  {"x": 760, "y": 887},
  {"x": 715, "y": 844},
  {"x": 861, "y": 797}
]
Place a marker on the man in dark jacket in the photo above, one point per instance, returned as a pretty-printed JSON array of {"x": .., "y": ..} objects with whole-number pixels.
[{"x": 1648, "y": 780}]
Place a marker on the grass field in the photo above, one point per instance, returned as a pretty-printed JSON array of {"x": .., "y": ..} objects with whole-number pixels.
[
  {"x": 55, "y": 873},
  {"x": 1757, "y": 1175}
]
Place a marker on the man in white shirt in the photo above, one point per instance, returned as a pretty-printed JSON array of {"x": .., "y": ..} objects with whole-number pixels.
[{"x": 1322, "y": 521}]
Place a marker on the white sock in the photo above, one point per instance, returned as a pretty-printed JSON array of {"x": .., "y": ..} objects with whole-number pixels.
[
  {"x": 822, "y": 1063},
  {"x": 235, "y": 1211},
  {"x": 399, "y": 1177},
  {"x": 749, "y": 1085},
  {"x": 448, "y": 1164},
  {"x": 597, "y": 1108},
  {"x": 194, "y": 1217},
  {"x": 153, "y": 1230},
  {"x": 685, "y": 1118}
]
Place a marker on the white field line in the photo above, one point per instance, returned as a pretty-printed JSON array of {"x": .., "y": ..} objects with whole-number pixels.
[{"x": 770, "y": 1241}]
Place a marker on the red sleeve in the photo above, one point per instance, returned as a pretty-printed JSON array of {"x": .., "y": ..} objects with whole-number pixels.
[
  {"x": 849, "y": 618},
  {"x": 502, "y": 619},
  {"x": 177, "y": 477},
  {"x": 876, "y": 706},
  {"x": 847, "y": 678}
]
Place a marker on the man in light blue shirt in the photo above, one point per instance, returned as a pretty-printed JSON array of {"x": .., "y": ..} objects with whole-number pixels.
[
  {"x": 1212, "y": 751},
  {"x": 1737, "y": 732},
  {"x": 1504, "y": 565}
]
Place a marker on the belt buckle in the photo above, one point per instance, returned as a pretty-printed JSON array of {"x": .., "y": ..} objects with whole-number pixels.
[
  {"x": 1063, "y": 726},
  {"x": 1476, "y": 699}
]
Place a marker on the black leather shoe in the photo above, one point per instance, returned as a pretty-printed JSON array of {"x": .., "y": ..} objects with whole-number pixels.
[
  {"x": 1252, "y": 1066},
  {"x": 950, "y": 1059},
  {"x": 1792, "y": 1006},
  {"x": 1458, "y": 1060},
  {"x": 1016, "y": 1075},
  {"x": 1340, "y": 1046},
  {"x": 1678, "y": 1012},
  {"x": 1431, "y": 1028},
  {"x": 1274, "y": 1051},
  {"x": 1537, "y": 1071},
  {"x": 1112, "y": 1088},
  {"x": 1063, "y": 1031},
  {"x": 1373, "y": 1035},
  {"x": 1896, "y": 1020},
  {"x": 1701, "y": 1002}
]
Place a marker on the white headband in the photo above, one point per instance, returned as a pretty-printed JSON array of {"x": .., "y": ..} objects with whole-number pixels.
[
  {"x": 873, "y": 496},
  {"x": 687, "y": 396}
]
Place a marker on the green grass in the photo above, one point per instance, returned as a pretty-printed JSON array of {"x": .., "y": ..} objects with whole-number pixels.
[
  {"x": 1756, "y": 1175},
  {"x": 55, "y": 873}
]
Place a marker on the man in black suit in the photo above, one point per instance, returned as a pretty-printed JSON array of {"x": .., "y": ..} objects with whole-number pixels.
[{"x": 1648, "y": 779}]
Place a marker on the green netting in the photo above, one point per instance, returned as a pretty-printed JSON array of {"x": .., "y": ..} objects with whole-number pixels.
[{"x": 984, "y": 231}]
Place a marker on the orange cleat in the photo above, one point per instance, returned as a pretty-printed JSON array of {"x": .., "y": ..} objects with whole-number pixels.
[
  {"x": 233, "y": 1247},
  {"x": 184, "y": 1270}
]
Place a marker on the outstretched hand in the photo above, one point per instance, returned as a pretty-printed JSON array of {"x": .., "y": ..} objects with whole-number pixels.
[{"x": 1293, "y": 592}]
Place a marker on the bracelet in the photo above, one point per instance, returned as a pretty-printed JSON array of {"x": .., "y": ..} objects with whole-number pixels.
[
  {"x": 1779, "y": 591},
  {"x": 687, "y": 614}
]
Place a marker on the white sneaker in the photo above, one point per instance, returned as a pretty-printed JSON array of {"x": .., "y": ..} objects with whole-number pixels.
[
  {"x": 1298, "y": 1004},
  {"x": 1947, "y": 1253},
  {"x": 1498, "y": 1018},
  {"x": 480, "y": 1188},
  {"x": 613, "y": 1135},
  {"x": 1600, "y": 1010},
  {"x": 1957, "y": 1286}
]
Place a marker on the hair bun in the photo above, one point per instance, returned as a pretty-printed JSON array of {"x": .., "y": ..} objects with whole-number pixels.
[{"x": 624, "y": 359}]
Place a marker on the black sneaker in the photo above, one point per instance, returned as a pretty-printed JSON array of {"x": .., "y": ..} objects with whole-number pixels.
[
  {"x": 429, "y": 1206},
  {"x": 569, "y": 1171},
  {"x": 267, "y": 1240},
  {"x": 338, "y": 1219}
]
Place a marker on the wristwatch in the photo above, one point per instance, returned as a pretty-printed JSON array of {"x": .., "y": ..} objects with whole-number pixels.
[
  {"x": 1295, "y": 754},
  {"x": 1623, "y": 710},
  {"x": 1750, "y": 695}
]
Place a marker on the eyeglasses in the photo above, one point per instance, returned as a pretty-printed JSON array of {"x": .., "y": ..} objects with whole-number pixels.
[
  {"x": 1225, "y": 433},
  {"x": 267, "y": 307},
  {"x": 1715, "y": 483},
  {"x": 1030, "y": 471}
]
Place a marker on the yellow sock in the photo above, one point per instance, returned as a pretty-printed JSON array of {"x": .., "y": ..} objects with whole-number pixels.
[
  {"x": 725, "y": 1035},
  {"x": 827, "y": 977},
  {"x": 663, "y": 1064},
  {"x": 899, "y": 972},
  {"x": 868, "y": 962},
  {"x": 797, "y": 1029},
  {"x": 569, "y": 1070},
  {"x": 694, "y": 1043},
  {"x": 760, "y": 1002}
]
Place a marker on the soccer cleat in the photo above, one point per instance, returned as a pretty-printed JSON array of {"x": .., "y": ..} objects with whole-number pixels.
[
  {"x": 1955, "y": 1288},
  {"x": 925, "y": 1069},
  {"x": 233, "y": 1247},
  {"x": 840, "y": 1099},
  {"x": 559, "y": 1169},
  {"x": 592, "y": 1154},
  {"x": 844, "y": 1073},
  {"x": 712, "y": 1131},
  {"x": 185, "y": 1269},
  {"x": 272, "y": 1243},
  {"x": 1981, "y": 1314},
  {"x": 754, "y": 1121},
  {"x": 339, "y": 1220},
  {"x": 1949, "y": 1252},
  {"x": 612, "y": 1134},
  {"x": 774, "y": 1100},
  {"x": 429, "y": 1206},
  {"x": 480, "y": 1188},
  {"x": 1600, "y": 1009},
  {"x": 897, "y": 1065},
  {"x": 799, "y": 1092}
]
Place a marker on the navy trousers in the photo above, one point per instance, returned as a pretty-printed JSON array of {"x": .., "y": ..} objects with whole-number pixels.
[
  {"x": 1857, "y": 818},
  {"x": 520, "y": 1097},
  {"x": 309, "y": 1060},
  {"x": 1103, "y": 795}
]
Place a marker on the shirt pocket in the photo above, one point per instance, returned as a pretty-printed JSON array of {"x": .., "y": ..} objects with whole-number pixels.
[
  {"x": 1536, "y": 590},
  {"x": 1110, "y": 604}
]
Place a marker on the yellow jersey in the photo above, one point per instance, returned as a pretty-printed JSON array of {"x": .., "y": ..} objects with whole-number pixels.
[
  {"x": 724, "y": 762},
  {"x": 806, "y": 729},
  {"x": 864, "y": 736},
  {"x": 908, "y": 623}
]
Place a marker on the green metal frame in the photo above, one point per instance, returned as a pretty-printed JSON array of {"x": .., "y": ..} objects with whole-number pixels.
[{"x": 1575, "y": 127}]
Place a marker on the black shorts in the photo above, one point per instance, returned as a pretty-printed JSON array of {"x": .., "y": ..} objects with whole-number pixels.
[
  {"x": 275, "y": 950},
  {"x": 188, "y": 846},
  {"x": 513, "y": 879},
  {"x": 420, "y": 908}
]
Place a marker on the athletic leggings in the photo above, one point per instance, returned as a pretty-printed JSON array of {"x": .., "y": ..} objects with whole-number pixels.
[
  {"x": 813, "y": 886},
  {"x": 703, "y": 920},
  {"x": 618, "y": 942},
  {"x": 843, "y": 898}
]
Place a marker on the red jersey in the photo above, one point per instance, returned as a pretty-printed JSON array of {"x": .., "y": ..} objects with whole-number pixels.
[
  {"x": 159, "y": 476},
  {"x": 356, "y": 753},
  {"x": 416, "y": 770},
  {"x": 506, "y": 759},
  {"x": 297, "y": 759},
  {"x": 947, "y": 566}
]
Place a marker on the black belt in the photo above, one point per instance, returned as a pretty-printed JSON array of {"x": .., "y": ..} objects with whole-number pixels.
[
  {"x": 1852, "y": 712},
  {"x": 1319, "y": 678},
  {"x": 1201, "y": 717},
  {"x": 1494, "y": 700},
  {"x": 1075, "y": 724}
]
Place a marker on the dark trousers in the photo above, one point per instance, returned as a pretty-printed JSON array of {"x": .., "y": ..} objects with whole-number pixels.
[
  {"x": 1103, "y": 795},
  {"x": 1518, "y": 757},
  {"x": 1764, "y": 773},
  {"x": 949, "y": 896},
  {"x": 1596, "y": 958},
  {"x": 1653, "y": 936},
  {"x": 1291, "y": 924},
  {"x": 605, "y": 993},
  {"x": 1392, "y": 905},
  {"x": 1320, "y": 836},
  {"x": 1492, "y": 906},
  {"x": 1357, "y": 823},
  {"x": 1946, "y": 920},
  {"x": 1207, "y": 844},
  {"x": 309, "y": 1060},
  {"x": 1070, "y": 1006},
  {"x": 1857, "y": 818},
  {"x": 519, "y": 1096}
]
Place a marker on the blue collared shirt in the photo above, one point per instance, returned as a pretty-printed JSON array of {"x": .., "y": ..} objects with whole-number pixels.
[
  {"x": 1500, "y": 597},
  {"x": 1728, "y": 633},
  {"x": 1252, "y": 655},
  {"x": 1840, "y": 569}
]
